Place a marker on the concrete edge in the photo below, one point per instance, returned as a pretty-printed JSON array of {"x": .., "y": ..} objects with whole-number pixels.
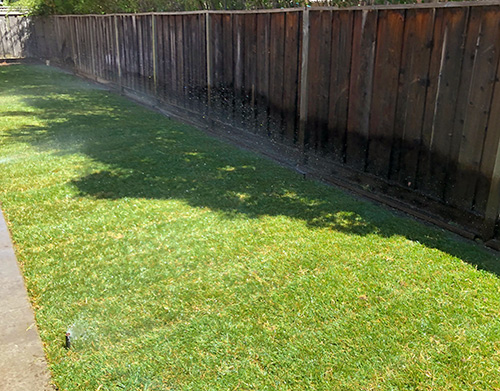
[{"x": 23, "y": 365}]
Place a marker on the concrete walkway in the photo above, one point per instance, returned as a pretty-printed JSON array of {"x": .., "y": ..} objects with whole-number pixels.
[{"x": 22, "y": 361}]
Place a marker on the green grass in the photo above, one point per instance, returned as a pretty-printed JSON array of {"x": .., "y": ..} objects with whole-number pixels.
[{"x": 183, "y": 263}]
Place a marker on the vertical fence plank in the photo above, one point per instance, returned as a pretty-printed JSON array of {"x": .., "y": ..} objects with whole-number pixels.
[
  {"x": 169, "y": 22},
  {"x": 96, "y": 46},
  {"x": 101, "y": 46},
  {"x": 424, "y": 155},
  {"x": 363, "y": 56},
  {"x": 6, "y": 49},
  {"x": 303, "y": 81},
  {"x": 217, "y": 62},
  {"x": 109, "y": 71},
  {"x": 110, "y": 42},
  {"x": 81, "y": 49},
  {"x": 118, "y": 51},
  {"x": 227, "y": 88},
  {"x": 78, "y": 34},
  {"x": 413, "y": 81},
  {"x": 193, "y": 63},
  {"x": 107, "y": 60},
  {"x": 141, "y": 53},
  {"x": 110, "y": 59},
  {"x": 323, "y": 95},
  {"x": 318, "y": 82},
  {"x": 340, "y": 69},
  {"x": 71, "y": 27},
  {"x": 89, "y": 49},
  {"x": 128, "y": 35},
  {"x": 250, "y": 34},
  {"x": 154, "y": 53},
  {"x": 150, "y": 40},
  {"x": 453, "y": 170},
  {"x": 59, "y": 38},
  {"x": 113, "y": 50},
  {"x": 263, "y": 60},
  {"x": 385, "y": 87},
  {"x": 4, "y": 42},
  {"x": 127, "y": 47},
  {"x": 179, "y": 59},
  {"x": 203, "y": 57},
  {"x": 209, "y": 56},
  {"x": 136, "y": 60},
  {"x": 147, "y": 53},
  {"x": 199, "y": 47},
  {"x": 444, "y": 135},
  {"x": 133, "y": 66},
  {"x": 238, "y": 52},
  {"x": 172, "y": 57},
  {"x": 197, "y": 60},
  {"x": 122, "y": 45},
  {"x": 187, "y": 68},
  {"x": 15, "y": 27},
  {"x": 293, "y": 28},
  {"x": 170, "y": 69},
  {"x": 276, "y": 75},
  {"x": 93, "y": 48},
  {"x": 160, "y": 57},
  {"x": 446, "y": 63}
]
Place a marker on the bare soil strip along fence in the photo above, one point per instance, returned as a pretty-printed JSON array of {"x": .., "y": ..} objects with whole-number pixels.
[{"x": 401, "y": 103}]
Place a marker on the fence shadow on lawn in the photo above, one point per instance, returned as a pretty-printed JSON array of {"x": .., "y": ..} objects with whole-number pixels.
[{"x": 148, "y": 156}]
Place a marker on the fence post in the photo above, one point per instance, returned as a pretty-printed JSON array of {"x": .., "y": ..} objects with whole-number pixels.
[
  {"x": 303, "y": 80},
  {"x": 118, "y": 59},
  {"x": 493, "y": 204},
  {"x": 208, "y": 30}
]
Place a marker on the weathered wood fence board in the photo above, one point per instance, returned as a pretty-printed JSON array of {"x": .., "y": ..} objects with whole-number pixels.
[
  {"x": 405, "y": 99},
  {"x": 14, "y": 33},
  {"x": 413, "y": 84},
  {"x": 340, "y": 73},
  {"x": 360, "y": 88}
]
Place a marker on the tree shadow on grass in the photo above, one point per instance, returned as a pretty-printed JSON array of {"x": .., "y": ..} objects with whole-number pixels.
[{"x": 148, "y": 156}]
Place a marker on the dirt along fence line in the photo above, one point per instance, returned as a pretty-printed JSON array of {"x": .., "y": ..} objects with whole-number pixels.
[{"x": 400, "y": 103}]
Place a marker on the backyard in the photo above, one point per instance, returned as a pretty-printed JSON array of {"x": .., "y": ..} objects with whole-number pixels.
[{"x": 180, "y": 262}]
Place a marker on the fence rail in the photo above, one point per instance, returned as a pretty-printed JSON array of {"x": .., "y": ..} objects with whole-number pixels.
[{"x": 403, "y": 99}]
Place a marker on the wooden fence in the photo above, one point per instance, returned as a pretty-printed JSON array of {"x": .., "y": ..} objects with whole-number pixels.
[
  {"x": 14, "y": 34},
  {"x": 402, "y": 101}
]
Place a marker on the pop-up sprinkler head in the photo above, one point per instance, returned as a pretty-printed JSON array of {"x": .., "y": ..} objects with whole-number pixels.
[{"x": 67, "y": 344}]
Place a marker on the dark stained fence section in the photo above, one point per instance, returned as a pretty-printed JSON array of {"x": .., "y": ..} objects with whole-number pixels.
[
  {"x": 402, "y": 100},
  {"x": 176, "y": 59}
]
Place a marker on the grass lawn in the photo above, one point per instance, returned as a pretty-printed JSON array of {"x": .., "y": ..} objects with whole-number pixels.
[{"x": 182, "y": 263}]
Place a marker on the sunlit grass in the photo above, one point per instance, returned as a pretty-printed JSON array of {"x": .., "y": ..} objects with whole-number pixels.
[{"x": 182, "y": 263}]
